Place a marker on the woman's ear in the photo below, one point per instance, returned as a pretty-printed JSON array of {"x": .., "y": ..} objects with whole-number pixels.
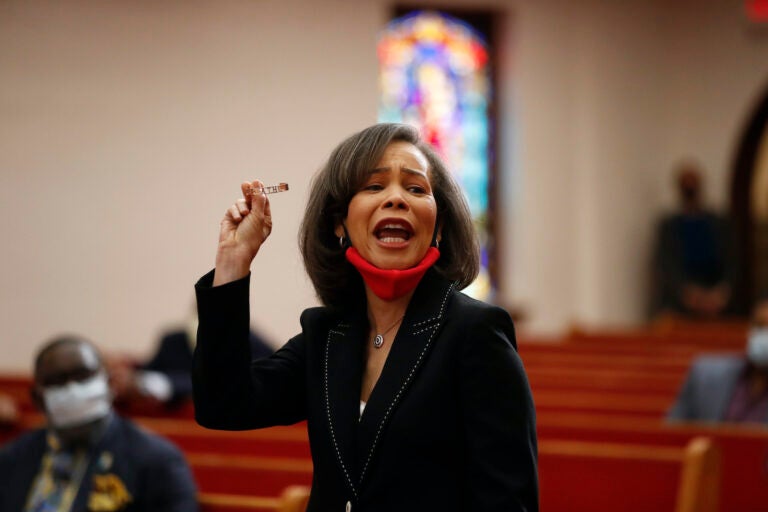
[
  {"x": 437, "y": 235},
  {"x": 339, "y": 230}
]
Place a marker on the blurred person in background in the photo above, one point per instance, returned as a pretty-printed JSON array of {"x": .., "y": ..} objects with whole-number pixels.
[
  {"x": 9, "y": 411},
  {"x": 729, "y": 388},
  {"x": 165, "y": 380},
  {"x": 693, "y": 261},
  {"x": 87, "y": 457}
]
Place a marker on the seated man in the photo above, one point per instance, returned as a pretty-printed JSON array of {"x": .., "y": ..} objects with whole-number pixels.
[
  {"x": 167, "y": 377},
  {"x": 729, "y": 388},
  {"x": 88, "y": 458}
]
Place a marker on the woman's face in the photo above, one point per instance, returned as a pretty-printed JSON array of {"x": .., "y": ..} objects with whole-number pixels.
[{"x": 391, "y": 219}]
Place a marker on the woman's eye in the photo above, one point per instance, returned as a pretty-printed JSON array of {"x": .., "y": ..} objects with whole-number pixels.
[
  {"x": 416, "y": 189},
  {"x": 373, "y": 186}
]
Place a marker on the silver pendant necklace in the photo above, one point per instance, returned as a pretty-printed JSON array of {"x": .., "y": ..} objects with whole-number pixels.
[{"x": 378, "y": 341}]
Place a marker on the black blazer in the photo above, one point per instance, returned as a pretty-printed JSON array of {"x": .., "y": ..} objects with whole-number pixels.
[
  {"x": 153, "y": 470},
  {"x": 449, "y": 426}
]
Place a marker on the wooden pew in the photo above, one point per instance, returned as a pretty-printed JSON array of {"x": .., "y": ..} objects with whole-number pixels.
[
  {"x": 744, "y": 449},
  {"x": 703, "y": 335},
  {"x": 17, "y": 386},
  {"x": 574, "y": 475},
  {"x": 288, "y": 441},
  {"x": 654, "y": 362},
  {"x": 578, "y": 476},
  {"x": 241, "y": 474},
  {"x": 606, "y": 347},
  {"x": 292, "y": 499},
  {"x": 639, "y": 404},
  {"x": 608, "y": 379}
]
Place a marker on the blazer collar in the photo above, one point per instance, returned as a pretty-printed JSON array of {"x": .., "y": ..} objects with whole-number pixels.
[{"x": 355, "y": 440}]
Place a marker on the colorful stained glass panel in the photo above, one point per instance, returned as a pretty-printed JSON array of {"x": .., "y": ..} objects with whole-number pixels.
[{"x": 434, "y": 74}]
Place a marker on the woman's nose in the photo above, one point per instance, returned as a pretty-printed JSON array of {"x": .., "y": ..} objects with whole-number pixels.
[{"x": 396, "y": 199}]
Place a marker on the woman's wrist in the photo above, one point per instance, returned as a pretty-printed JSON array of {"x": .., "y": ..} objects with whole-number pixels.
[{"x": 231, "y": 265}]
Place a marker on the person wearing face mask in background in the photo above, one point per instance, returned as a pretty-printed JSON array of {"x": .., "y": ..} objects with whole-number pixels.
[
  {"x": 729, "y": 388},
  {"x": 693, "y": 260},
  {"x": 87, "y": 457}
]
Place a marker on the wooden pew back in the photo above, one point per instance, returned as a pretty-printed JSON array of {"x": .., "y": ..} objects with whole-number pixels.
[{"x": 292, "y": 499}]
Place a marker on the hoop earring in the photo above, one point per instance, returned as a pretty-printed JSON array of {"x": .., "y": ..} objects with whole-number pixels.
[
  {"x": 437, "y": 244},
  {"x": 341, "y": 242}
]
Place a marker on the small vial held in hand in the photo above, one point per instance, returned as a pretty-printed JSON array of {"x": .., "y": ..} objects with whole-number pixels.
[{"x": 272, "y": 189}]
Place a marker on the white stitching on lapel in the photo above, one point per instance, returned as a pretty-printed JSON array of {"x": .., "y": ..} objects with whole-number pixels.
[
  {"x": 428, "y": 327},
  {"x": 428, "y": 320},
  {"x": 328, "y": 412},
  {"x": 405, "y": 384}
]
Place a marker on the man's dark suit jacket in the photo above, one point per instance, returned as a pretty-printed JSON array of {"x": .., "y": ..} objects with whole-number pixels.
[
  {"x": 449, "y": 425},
  {"x": 671, "y": 270},
  {"x": 153, "y": 471},
  {"x": 174, "y": 359},
  {"x": 708, "y": 388}
]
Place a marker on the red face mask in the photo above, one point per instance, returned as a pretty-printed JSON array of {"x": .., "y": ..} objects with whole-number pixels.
[{"x": 391, "y": 284}]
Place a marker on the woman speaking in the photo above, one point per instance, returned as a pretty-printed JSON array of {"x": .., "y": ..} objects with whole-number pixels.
[{"x": 414, "y": 395}]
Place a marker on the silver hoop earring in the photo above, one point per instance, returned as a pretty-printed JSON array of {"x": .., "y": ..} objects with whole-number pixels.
[
  {"x": 437, "y": 244},
  {"x": 341, "y": 242}
]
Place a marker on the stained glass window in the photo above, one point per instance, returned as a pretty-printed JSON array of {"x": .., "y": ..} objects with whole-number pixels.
[{"x": 434, "y": 74}]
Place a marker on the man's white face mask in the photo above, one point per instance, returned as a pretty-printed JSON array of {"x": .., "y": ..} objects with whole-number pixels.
[
  {"x": 757, "y": 346},
  {"x": 77, "y": 403}
]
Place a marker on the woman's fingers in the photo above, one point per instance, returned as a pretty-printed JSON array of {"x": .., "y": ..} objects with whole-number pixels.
[
  {"x": 249, "y": 219},
  {"x": 233, "y": 212},
  {"x": 257, "y": 198},
  {"x": 267, "y": 209},
  {"x": 242, "y": 207},
  {"x": 247, "y": 189}
]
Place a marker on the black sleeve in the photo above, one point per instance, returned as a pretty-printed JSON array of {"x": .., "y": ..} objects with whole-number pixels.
[
  {"x": 499, "y": 419},
  {"x": 230, "y": 391}
]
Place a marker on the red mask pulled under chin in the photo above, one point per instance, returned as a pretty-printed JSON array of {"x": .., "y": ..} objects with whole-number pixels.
[{"x": 391, "y": 284}]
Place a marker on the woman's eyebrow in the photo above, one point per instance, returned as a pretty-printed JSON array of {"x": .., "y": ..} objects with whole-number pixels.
[{"x": 408, "y": 170}]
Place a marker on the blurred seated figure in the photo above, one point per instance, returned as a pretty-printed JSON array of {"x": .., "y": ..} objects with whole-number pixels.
[
  {"x": 693, "y": 258},
  {"x": 165, "y": 380},
  {"x": 729, "y": 388},
  {"x": 87, "y": 457},
  {"x": 9, "y": 411}
]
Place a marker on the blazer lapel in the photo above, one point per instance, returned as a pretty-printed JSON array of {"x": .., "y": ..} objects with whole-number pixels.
[
  {"x": 410, "y": 348},
  {"x": 342, "y": 375}
]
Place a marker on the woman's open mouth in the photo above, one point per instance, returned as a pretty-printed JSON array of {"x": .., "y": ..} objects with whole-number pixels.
[{"x": 393, "y": 231}]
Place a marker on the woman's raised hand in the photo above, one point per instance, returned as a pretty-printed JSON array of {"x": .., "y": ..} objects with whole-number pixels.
[{"x": 245, "y": 226}]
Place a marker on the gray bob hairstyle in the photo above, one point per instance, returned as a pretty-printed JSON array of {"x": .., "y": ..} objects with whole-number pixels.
[{"x": 337, "y": 283}]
